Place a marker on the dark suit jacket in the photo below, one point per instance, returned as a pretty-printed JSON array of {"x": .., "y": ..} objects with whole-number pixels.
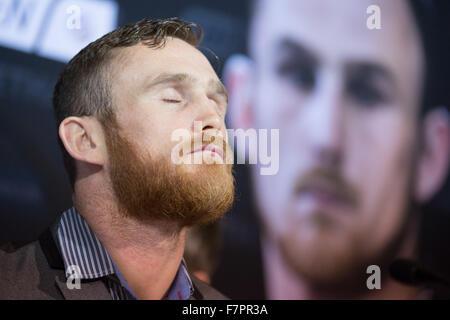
[{"x": 36, "y": 271}]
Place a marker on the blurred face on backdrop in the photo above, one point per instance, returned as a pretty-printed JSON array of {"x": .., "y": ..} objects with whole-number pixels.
[
  {"x": 346, "y": 100},
  {"x": 155, "y": 92}
]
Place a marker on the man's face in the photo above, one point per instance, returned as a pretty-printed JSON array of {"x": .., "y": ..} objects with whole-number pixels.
[
  {"x": 155, "y": 92},
  {"x": 345, "y": 99}
]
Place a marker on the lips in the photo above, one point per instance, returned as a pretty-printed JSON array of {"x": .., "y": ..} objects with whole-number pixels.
[
  {"x": 210, "y": 148},
  {"x": 327, "y": 193},
  {"x": 325, "y": 196}
]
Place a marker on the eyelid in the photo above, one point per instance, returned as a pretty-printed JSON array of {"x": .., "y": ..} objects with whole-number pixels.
[
  {"x": 220, "y": 101},
  {"x": 171, "y": 92},
  {"x": 219, "y": 98}
]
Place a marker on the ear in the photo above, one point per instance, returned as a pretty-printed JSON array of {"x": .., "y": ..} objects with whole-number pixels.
[
  {"x": 83, "y": 139},
  {"x": 237, "y": 76},
  {"x": 433, "y": 162}
]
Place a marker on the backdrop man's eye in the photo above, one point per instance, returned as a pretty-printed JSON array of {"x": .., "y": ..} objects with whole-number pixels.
[
  {"x": 365, "y": 93},
  {"x": 298, "y": 74},
  {"x": 369, "y": 85}
]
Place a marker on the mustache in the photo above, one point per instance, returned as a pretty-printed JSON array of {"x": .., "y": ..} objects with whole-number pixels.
[
  {"x": 206, "y": 139},
  {"x": 330, "y": 180}
]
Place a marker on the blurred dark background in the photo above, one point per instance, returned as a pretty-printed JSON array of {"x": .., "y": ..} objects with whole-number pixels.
[{"x": 34, "y": 187}]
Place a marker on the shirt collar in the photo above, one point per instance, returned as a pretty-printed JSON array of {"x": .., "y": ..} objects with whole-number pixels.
[{"x": 84, "y": 254}]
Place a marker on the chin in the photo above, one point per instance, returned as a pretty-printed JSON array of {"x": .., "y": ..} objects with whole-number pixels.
[{"x": 320, "y": 255}]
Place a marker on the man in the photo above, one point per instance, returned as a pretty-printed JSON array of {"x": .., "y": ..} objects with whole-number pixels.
[
  {"x": 364, "y": 140},
  {"x": 117, "y": 104}
]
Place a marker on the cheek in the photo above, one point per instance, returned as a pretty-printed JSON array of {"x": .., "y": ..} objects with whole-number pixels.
[
  {"x": 150, "y": 134},
  {"x": 276, "y": 102},
  {"x": 274, "y": 193},
  {"x": 380, "y": 163}
]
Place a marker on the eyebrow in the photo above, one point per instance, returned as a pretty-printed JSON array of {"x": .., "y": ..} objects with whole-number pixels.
[
  {"x": 164, "y": 78},
  {"x": 298, "y": 50},
  {"x": 168, "y": 78}
]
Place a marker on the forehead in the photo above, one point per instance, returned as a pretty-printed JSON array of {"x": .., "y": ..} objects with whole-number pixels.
[
  {"x": 337, "y": 30},
  {"x": 139, "y": 63}
]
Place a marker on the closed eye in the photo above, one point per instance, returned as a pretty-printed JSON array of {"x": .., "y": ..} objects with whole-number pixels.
[
  {"x": 172, "y": 100},
  {"x": 171, "y": 95}
]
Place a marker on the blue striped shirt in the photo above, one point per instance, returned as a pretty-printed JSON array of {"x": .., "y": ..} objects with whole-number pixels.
[{"x": 83, "y": 252}]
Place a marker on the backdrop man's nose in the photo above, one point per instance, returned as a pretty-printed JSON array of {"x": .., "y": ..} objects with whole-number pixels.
[{"x": 324, "y": 120}]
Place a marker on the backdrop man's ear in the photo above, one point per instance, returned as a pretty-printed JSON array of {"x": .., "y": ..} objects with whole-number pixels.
[
  {"x": 434, "y": 157},
  {"x": 238, "y": 77}
]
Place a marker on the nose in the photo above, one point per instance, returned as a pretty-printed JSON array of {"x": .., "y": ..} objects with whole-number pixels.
[
  {"x": 325, "y": 121},
  {"x": 207, "y": 116}
]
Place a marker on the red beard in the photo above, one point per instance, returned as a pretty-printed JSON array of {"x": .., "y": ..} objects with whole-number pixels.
[{"x": 150, "y": 189}]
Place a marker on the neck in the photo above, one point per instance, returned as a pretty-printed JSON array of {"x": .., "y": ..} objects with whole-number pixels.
[
  {"x": 282, "y": 282},
  {"x": 148, "y": 254}
]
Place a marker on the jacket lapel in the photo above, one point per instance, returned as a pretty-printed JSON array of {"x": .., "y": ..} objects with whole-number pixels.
[{"x": 90, "y": 290}]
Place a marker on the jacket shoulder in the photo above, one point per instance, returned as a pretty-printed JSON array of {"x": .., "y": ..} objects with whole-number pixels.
[
  {"x": 25, "y": 272},
  {"x": 203, "y": 291}
]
